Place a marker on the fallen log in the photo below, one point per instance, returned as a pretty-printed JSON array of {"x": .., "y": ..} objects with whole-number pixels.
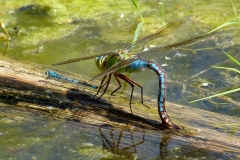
[{"x": 25, "y": 86}]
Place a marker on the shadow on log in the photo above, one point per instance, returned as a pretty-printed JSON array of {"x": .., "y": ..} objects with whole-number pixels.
[{"x": 28, "y": 86}]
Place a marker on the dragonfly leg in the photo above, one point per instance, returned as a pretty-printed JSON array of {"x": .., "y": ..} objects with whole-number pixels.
[
  {"x": 119, "y": 83},
  {"x": 101, "y": 86},
  {"x": 131, "y": 82},
  {"x": 123, "y": 77},
  {"x": 106, "y": 84}
]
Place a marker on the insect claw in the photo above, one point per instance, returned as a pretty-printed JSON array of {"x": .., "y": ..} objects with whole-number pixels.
[
  {"x": 175, "y": 126},
  {"x": 146, "y": 105}
]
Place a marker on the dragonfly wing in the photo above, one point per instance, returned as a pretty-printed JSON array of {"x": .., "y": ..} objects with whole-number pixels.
[
  {"x": 171, "y": 27},
  {"x": 115, "y": 67},
  {"x": 81, "y": 59},
  {"x": 159, "y": 52},
  {"x": 176, "y": 30}
]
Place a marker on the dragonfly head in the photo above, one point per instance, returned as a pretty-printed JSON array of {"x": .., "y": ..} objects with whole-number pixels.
[
  {"x": 48, "y": 72},
  {"x": 100, "y": 62}
]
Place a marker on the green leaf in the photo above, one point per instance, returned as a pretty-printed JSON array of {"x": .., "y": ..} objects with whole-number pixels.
[
  {"x": 227, "y": 68},
  {"x": 162, "y": 13},
  {"x": 136, "y": 5},
  {"x": 224, "y": 25},
  {"x": 233, "y": 59},
  {"x": 5, "y": 31},
  {"x": 137, "y": 31},
  {"x": 216, "y": 95},
  {"x": 234, "y": 10}
]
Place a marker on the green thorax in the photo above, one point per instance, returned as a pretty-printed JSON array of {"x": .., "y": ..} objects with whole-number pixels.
[{"x": 105, "y": 62}]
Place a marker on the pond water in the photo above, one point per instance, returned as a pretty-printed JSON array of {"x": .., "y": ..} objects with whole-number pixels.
[
  {"x": 36, "y": 135},
  {"x": 48, "y": 32}
]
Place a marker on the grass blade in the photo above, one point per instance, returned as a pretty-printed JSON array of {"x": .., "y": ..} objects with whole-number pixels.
[
  {"x": 136, "y": 5},
  {"x": 234, "y": 10},
  {"x": 224, "y": 25},
  {"x": 137, "y": 31},
  {"x": 227, "y": 68},
  {"x": 233, "y": 59},
  {"x": 220, "y": 94},
  {"x": 162, "y": 12}
]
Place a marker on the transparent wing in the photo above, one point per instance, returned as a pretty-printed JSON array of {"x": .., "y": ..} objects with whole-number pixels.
[
  {"x": 173, "y": 27},
  {"x": 115, "y": 67},
  {"x": 81, "y": 59},
  {"x": 176, "y": 31},
  {"x": 160, "y": 52}
]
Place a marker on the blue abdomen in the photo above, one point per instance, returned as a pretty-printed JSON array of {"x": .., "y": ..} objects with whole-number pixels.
[{"x": 137, "y": 66}]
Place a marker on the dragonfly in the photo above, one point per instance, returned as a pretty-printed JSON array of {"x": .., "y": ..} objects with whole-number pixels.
[
  {"x": 55, "y": 75},
  {"x": 133, "y": 58}
]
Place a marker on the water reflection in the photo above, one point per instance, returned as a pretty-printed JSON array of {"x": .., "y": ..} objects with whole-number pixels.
[
  {"x": 110, "y": 144},
  {"x": 131, "y": 144},
  {"x": 164, "y": 145}
]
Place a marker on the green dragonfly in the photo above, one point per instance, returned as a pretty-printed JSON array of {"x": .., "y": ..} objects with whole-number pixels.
[{"x": 134, "y": 58}]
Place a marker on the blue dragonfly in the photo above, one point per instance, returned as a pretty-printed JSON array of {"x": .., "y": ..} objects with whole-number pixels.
[
  {"x": 55, "y": 75},
  {"x": 133, "y": 58}
]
